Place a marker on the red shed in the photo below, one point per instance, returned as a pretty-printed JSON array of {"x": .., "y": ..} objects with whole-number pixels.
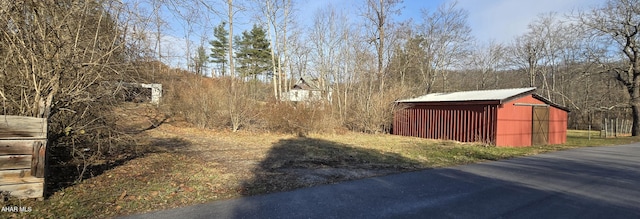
[{"x": 507, "y": 117}]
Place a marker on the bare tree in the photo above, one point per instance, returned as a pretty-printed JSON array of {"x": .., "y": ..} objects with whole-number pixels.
[
  {"x": 45, "y": 44},
  {"x": 378, "y": 14},
  {"x": 159, "y": 24},
  {"x": 526, "y": 54},
  {"x": 618, "y": 22},
  {"x": 277, "y": 14},
  {"x": 237, "y": 108},
  {"x": 488, "y": 59},
  {"x": 271, "y": 9},
  {"x": 231, "y": 65},
  {"x": 327, "y": 37},
  {"x": 446, "y": 37},
  {"x": 299, "y": 56},
  {"x": 288, "y": 7},
  {"x": 550, "y": 36},
  {"x": 62, "y": 61},
  {"x": 412, "y": 62}
]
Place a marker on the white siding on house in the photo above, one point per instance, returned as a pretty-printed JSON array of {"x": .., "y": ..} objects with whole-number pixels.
[{"x": 303, "y": 95}]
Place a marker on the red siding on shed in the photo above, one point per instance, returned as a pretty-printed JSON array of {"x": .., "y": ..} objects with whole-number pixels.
[
  {"x": 557, "y": 126},
  {"x": 466, "y": 123},
  {"x": 507, "y": 124},
  {"x": 514, "y": 122}
]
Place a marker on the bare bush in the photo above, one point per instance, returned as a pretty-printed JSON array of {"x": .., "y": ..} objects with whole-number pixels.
[
  {"x": 56, "y": 56},
  {"x": 376, "y": 114},
  {"x": 300, "y": 118},
  {"x": 212, "y": 103},
  {"x": 198, "y": 101}
]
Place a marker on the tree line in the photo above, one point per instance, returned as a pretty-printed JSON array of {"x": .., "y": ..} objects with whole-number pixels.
[{"x": 585, "y": 60}]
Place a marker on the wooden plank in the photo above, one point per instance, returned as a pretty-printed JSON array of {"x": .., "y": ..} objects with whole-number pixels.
[
  {"x": 27, "y": 190},
  {"x": 16, "y": 147},
  {"x": 12, "y": 177},
  {"x": 15, "y": 162},
  {"x": 38, "y": 159},
  {"x": 544, "y": 124},
  {"x": 540, "y": 126},
  {"x": 21, "y": 127}
]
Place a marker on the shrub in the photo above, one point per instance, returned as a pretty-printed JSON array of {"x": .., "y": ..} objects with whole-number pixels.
[{"x": 298, "y": 118}]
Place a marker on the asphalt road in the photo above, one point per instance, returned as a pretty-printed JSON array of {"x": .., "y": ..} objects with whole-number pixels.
[{"x": 597, "y": 182}]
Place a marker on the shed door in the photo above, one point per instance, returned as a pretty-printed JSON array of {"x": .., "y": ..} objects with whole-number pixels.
[{"x": 540, "y": 127}]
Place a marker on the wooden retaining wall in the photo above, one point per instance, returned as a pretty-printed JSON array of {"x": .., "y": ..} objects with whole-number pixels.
[{"x": 23, "y": 143}]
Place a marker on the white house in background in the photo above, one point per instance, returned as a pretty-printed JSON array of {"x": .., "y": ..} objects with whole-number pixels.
[{"x": 306, "y": 89}]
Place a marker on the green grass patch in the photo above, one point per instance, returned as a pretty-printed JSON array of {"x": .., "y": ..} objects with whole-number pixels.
[
  {"x": 580, "y": 138},
  {"x": 436, "y": 153}
]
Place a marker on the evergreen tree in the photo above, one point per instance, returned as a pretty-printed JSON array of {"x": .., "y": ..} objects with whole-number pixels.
[
  {"x": 220, "y": 47},
  {"x": 199, "y": 62},
  {"x": 254, "y": 53}
]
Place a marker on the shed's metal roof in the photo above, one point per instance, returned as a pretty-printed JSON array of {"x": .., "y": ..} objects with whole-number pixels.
[{"x": 478, "y": 95}]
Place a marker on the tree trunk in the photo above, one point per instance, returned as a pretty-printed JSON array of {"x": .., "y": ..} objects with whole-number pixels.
[
  {"x": 634, "y": 101},
  {"x": 381, "y": 22},
  {"x": 635, "y": 110},
  {"x": 231, "y": 65},
  {"x": 284, "y": 48}
]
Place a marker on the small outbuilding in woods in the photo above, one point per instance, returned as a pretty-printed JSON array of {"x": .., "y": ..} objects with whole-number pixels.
[{"x": 507, "y": 117}]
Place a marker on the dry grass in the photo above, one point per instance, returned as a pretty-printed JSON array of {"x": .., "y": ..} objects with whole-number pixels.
[{"x": 186, "y": 166}]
